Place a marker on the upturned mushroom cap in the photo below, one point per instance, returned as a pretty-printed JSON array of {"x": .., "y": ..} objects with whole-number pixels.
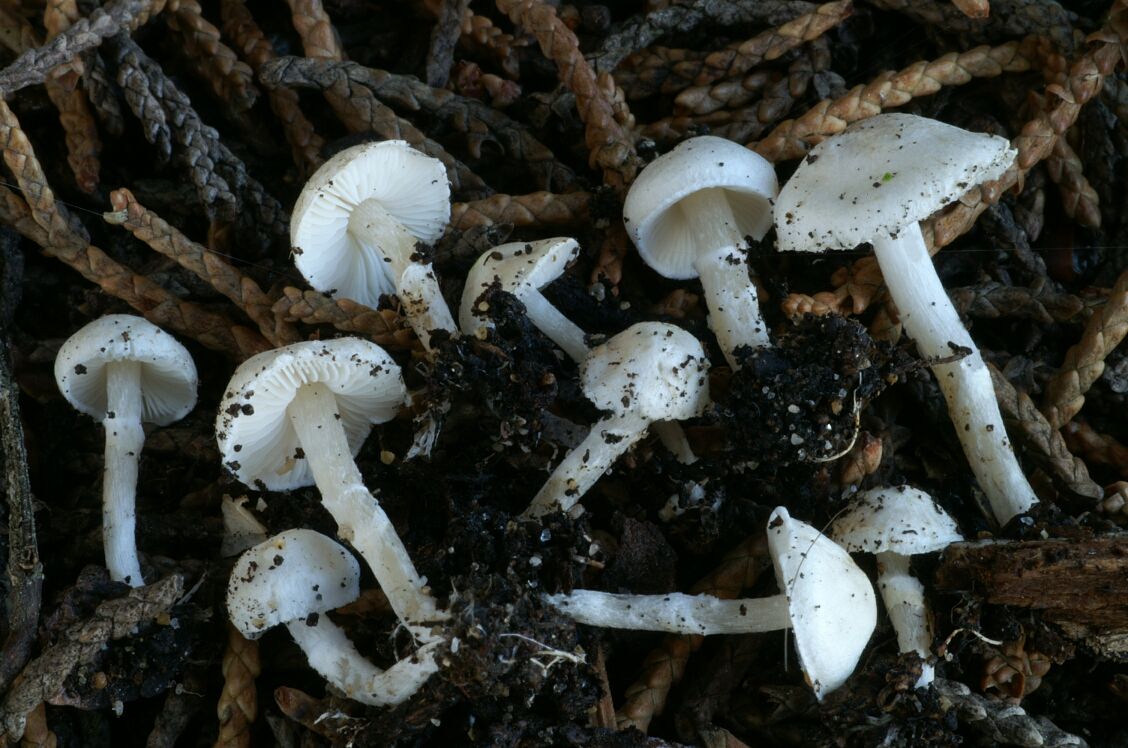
[
  {"x": 410, "y": 185},
  {"x": 256, "y": 440},
  {"x": 515, "y": 267},
  {"x": 831, "y": 601},
  {"x": 652, "y": 369},
  {"x": 901, "y": 519},
  {"x": 880, "y": 175},
  {"x": 168, "y": 374},
  {"x": 289, "y": 577},
  {"x": 652, "y": 214}
]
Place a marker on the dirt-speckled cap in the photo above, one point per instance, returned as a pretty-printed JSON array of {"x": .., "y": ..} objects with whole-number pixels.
[{"x": 898, "y": 519}]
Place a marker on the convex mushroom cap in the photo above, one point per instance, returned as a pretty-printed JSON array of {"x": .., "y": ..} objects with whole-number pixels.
[
  {"x": 688, "y": 214},
  {"x": 125, "y": 371},
  {"x": 873, "y": 183}
]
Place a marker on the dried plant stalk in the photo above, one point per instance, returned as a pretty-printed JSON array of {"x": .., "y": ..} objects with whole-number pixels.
[
  {"x": 1078, "y": 197},
  {"x": 237, "y": 707},
  {"x": 609, "y": 146},
  {"x": 209, "y": 266},
  {"x": 100, "y": 91},
  {"x": 1043, "y": 443},
  {"x": 319, "y": 38},
  {"x": 665, "y": 666},
  {"x": 383, "y": 326},
  {"x": 482, "y": 36},
  {"x": 305, "y": 143},
  {"x": 540, "y": 209},
  {"x": 230, "y": 78},
  {"x": 1096, "y": 448},
  {"x": 79, "y": 129},
  {"x": 1084, "y": 362},
  {"x": 1040, "y": 302}
]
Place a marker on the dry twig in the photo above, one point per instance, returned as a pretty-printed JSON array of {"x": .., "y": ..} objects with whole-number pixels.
[
  {"x": 79, "y": 129},
  {"x": 384, "y": 327},
  {"x": 231, "y": 79},
  {"x": 319, "y": 38},
  {"x": 238, "y": 706},
  {"x": 539, "y": 209}
]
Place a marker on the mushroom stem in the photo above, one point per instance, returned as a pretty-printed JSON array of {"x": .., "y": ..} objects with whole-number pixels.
[
  {"x": 734, "y": 308},
  {"x": 331, "y": 653},
  {"x": 908, "y": 612},
  {"x": 414, "y": 279},
  {"x": 361, "y": 520},
  {"x": 675, "y": 613},
  {"x": 932, "y": 321},
  {"x": 124, "y": 439},
  {"x": 559, "y": 329},
  {"x": 610, "y": 437}
]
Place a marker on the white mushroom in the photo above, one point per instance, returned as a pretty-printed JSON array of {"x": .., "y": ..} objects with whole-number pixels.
[
  {"x": 294, "y": 578},
  {"x": 650, "y": 372},
  {"x": 826, "y": 599},
  {"x": 125, "y": 371},
  {"x": 298, "y": 415},
  {"x": 873, "y": 183},
  {"x": 523, "y": 269},
  {"x": 688, "y": 214},
  {"x": 896, "y": 523},
  {"x": 357, "y": 224}
]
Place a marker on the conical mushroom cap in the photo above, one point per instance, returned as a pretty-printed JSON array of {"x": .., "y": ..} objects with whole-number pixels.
[
  {"x": 288, "y": 577},
  {"x": 831, "y": 601},
  {"x": 410, "y": 185},
  {"x": 901, "y": 519},
  {"x": 880, "y": 175}
]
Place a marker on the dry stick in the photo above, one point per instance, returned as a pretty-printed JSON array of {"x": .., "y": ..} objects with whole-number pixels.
[
  {"x": 209, "y": 266},
  {"x": 34, "y": 65},
  {"x": 319, "y": 37},
  {"x": 480, "y": 122},
  {"x": 230, "y": 79},
  {"x": 305, "y": 144},
  {"x": 1041, "y": 442},
  {"x": 237, "y": 706},
  {"x": 79, "y": 644},
  {"x": 60, "y": 240},
  {"x": 79, "y": 129},
  {"x": 384, "y": 326},
  {"x": 537, "y": 209},
  {"x": 1096, "y": 448},
  {"x": 665, "y": 666},
  {"x": 1085, "y": 362},
  {"x": 609, "y": 146}
]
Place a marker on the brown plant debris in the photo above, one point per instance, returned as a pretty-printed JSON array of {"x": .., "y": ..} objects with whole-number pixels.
[
  {"x": 444, "y": 39},
  {"x": 1085, "y": 362},
  {"x": 238, "y": 702},
  {"x": 1096, "y": 448},
  {"x": 319, "y": 38},
  {"x": 36, "y": 732},
  {"x": 384, "y": 327},
  {"x": 538, "y": 209},
  {"x": 1013, "y": 671},
  {"x": 1040, "y": 302},
  {"x": 973, "y": 8},
  {"x": 102, "y": 93},
  {"x": 1000, "y": 722},
  {"x": 1079, "y": 199},
  {"x": 43, "y": 677},
  {"x": 231, "y": 79}
]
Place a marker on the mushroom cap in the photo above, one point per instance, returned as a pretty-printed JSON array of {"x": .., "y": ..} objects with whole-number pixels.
[
  {"x": 168, "y": 374},
  {"x": 831, "y": 601},
  {"x": 516, "y": 266},
  {"x": 256, "y": 440},
  {"x": 655, "y": 221},
  {"x": 410, "y": 185},
  {"x": 878, "y": 176},
  {"x": 900, "y": 519},
  {"x": 653, "y": 369},
  {"x": 289, "y": 577}
]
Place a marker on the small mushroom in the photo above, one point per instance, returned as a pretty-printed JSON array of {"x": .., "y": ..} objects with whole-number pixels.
[
  {"x": 873, "y": 183},
  {"x": 297, "y": 415},
  {"x": 295, "y": 578},
  {"x": 125, "y": 371},
  {"x": 523, "y": 269},
  {"x": 896, "y": 523},
  {"x": 358, "y": 224},
  {"x": 826, "y": 599},
  {"x": 688, "y": 214},
  {"x": 651, "y": 371}
]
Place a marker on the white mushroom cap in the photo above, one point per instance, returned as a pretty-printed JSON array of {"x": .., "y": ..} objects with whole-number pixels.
[
  {"x": 256, "y": 439},
  {"x": 292, "y": 575},
  {"x": 654, "y": 219},
  {"x": 410, "y": 185},
  {"x": 901, "y": 519},
  {"x": 854, "y": 187},
  {"x": 832, "y": 603},
  {"x": 515, "y": 266},
  {"x": 652, "y": 369},
  {"x": 168, "y": 374}
]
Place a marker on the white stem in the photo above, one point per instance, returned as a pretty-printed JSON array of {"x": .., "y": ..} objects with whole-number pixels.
[
  {"x": 124, "y": 439},
  {"x": 673, "y": 438},
  {"x": 734, "y": 307},
  {"x": 675, "y": 612},
  {"x": 583, "y": 466},
  {"x": 414, "y": 281},
  {"x": 908, "y": 611},
  {"x": 361, "y": 520},
  {"x": 932, "y": 321},
  {"x": 559, "y": 329},
  {"x": 332, "y": 654}
]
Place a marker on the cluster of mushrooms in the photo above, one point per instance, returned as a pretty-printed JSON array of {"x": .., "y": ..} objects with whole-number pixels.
[{"x": 296, "y": 416}]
